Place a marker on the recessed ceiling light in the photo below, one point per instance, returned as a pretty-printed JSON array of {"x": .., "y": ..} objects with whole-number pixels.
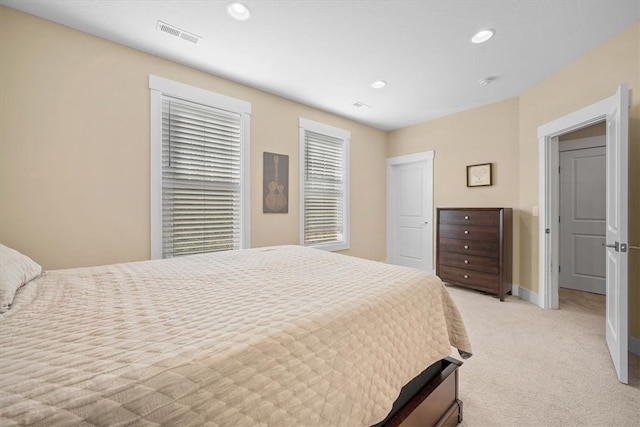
[
  {"x": 378, "y": 84},
  {"x": 482, "y": 36},
  {"x": 238, "y": 11}
]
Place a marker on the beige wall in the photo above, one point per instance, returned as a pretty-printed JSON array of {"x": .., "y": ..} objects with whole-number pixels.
[
  {"x": 506, "y": 133},
  {"x": 598, "y": 129},
  {"x": 74, "y": 144},
  {"x": 589, "y": 79},
  {"x": 74, "y": 149},
  {"x": 483, "y": 135}
]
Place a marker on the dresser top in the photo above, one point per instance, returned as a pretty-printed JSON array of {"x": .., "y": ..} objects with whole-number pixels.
[{"x": 471, "y": 209}]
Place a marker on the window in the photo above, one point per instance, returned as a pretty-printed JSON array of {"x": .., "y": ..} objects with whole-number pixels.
[
  {"x": 199, "y": 173},
  {"x": 324, "y": 186}
]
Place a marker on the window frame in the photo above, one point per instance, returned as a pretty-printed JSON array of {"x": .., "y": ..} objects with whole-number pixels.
[
  {"x": 321, "y": 128},
  {"x": 158, "y": 87}
]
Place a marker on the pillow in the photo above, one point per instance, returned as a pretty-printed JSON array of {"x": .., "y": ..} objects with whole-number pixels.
[{"x": 16, "y": 269}]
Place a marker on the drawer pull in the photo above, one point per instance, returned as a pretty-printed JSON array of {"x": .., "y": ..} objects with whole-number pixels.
[
  {"x": 466, "y": 217},
  {"x": 466, "y": 276},
  {"x": 466, "y": 246},
  {"x": 466, "y": 231},
  {"x": 466, "y": 261}
]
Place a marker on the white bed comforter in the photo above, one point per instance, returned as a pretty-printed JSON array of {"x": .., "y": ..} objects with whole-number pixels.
[{"x": 281, "y": 336}]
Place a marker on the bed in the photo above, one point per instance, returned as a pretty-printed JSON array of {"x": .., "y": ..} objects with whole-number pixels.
[{"x": 277, "y": 336}]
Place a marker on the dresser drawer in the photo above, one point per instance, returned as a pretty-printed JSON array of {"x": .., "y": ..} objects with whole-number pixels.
[
  {"x": 470, "y": 247},
  {"x": 475, "y": 248},
  {"x": 470, "y": 262},
  {"x": 469, "y": 278},
  {"x": 490, "y": 218},
  {"x": 475, "y": 232}
]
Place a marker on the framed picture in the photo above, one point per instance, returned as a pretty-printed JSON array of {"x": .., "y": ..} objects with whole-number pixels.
[
  {"x": 275, "y": 187},
  {"x": 479, "y": 175}
]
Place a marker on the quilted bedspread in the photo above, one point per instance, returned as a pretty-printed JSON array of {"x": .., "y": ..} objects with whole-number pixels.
[{"x": 280, "y": 336}]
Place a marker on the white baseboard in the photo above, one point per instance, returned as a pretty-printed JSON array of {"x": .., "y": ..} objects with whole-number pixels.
[
  {"x": 525, "y": 294},
  {"x": 634, "y": 345}
]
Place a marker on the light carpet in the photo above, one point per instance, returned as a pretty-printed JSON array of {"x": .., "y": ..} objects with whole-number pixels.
[{"x": 535, "y": 367}]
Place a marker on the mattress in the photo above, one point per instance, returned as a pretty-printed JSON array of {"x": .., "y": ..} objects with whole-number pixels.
[{"x": 278, "y": 336}]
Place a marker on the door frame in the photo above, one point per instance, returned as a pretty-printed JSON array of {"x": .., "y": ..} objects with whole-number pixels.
[
  {"x": 425, "y": 156},
  {"x": 548, "y": 194},
  {"x": 617, "y": 320}
]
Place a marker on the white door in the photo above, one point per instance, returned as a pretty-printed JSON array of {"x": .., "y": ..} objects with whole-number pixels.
[
  {"x": 411, "y": 213},
  {"x": 582, "y": 215},
  {"x": 617, "y": 258}
]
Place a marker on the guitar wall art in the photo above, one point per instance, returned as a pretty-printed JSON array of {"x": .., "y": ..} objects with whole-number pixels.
[{"x": 275, "y": 187}]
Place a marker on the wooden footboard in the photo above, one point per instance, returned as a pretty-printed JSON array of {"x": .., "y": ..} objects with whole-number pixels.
[{"x": 435, "y": 404}]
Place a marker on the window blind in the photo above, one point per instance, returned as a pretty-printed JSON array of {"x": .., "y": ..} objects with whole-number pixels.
[
  {"x": 201, "y": 174},
  {"x": 323, "y": 189}
]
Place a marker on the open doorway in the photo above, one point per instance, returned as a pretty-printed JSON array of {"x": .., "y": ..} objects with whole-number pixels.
[
  {"x": 582, "y": 197},
  {"x": 582, "y": 270}
]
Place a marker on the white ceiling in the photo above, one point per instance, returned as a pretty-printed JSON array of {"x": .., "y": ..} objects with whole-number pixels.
[{"x": 326, "y": 53}]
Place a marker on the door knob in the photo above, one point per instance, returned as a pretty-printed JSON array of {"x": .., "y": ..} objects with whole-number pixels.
[{"x": 616, "y": 246}]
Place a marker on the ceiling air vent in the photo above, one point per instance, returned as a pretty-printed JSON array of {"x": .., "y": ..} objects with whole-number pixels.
[{"x": 175, "y": 31}]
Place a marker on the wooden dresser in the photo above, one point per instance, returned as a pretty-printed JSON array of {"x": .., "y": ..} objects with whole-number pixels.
[{"x": 474, "y": 248}]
